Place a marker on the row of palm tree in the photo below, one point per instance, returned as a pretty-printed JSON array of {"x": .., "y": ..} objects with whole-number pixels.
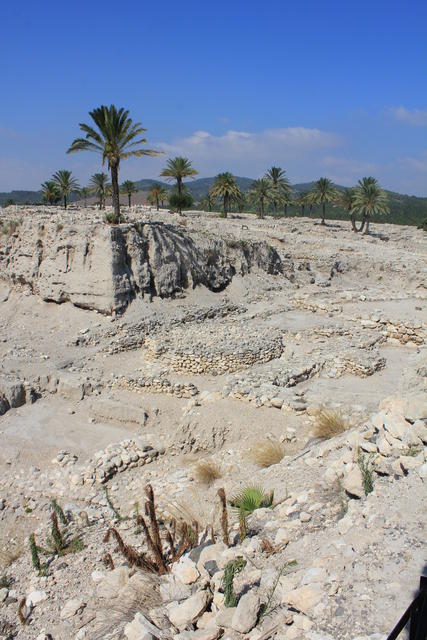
[{"x": 116, "y": 137}]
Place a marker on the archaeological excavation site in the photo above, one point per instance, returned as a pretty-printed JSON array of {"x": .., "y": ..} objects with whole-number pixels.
[{"x": 210, "y": 427}]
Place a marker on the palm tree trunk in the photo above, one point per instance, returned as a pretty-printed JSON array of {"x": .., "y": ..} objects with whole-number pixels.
[
  {"x": 115, "y": 195},
  {"x": 366, "y": 232},
  {"x": 65, "y": 201},
  {"x": 286, "y": 208},
  {"x": 262, "y": 207},
  {"x": 129, "y": 199},
  {"x": 353, "y": 222},
  {"x": 323, "y": 213},
  {"x": 157, "y": 203}
]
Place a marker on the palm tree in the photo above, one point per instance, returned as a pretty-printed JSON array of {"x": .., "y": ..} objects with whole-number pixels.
[
  {"x": 302, "y": 201},
  {"x": 279, "y": 183},
  {"x": 369, "y": 199},
  {"x": 225, "y": 187},
  {"x": 84, "y": 192},
  {"x": 345, "y": 200},
  {"x": 206, "y": 202},
  {"x": 260, "y": 192},
  {"x": 325, "y": 192},
  {"x": 66, "y": 184},
  {"x": 177, "y": 169},
  {"x": 157, "y": 195},
  {"x": 50, "y": 191},
  {"x": 129, "y": 187},
  {"x": 116, "y": 138},
  {"x": 99, "y": 185}
]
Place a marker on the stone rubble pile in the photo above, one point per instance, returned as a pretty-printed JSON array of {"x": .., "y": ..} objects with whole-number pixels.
[
  {"x": 215, "y": 350},
  {"x": 393, "y": 443},
  {"x": 151, "y": 384},
  {"x": 115, "y": 458}
]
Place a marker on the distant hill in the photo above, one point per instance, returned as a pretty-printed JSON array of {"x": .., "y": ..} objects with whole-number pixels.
[{"x": 404, "y": 209}]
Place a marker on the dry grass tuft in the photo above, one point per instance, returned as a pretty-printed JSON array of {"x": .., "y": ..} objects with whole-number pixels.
[
  {"x": 207, "y": 472},
  {"x": 329, "y": 423},
  {"x": 267, "y": 453}
]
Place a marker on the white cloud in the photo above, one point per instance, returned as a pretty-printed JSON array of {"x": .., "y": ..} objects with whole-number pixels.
[
  {"x": 418, "y": 164},
  {"x": 414, "y": 117},
  {"x": 251, "y": 153},
  {"x": 347, "y": 171}
]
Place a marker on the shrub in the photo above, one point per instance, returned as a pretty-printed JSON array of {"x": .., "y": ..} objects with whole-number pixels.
[
  {"x": 110, "y": 218},
  {"x": 267, "y": 452},
  {"x": 207, "y": 472},
  {"x": 59, "y": 227},
  {"x": 250, "y": 499},
  {"x": 9, "y": 228},
  {"x": 178, "y": 202},
  {"x": 367, "y": 470},
  {"x": 230, "y": 570},
  {"x": 329, "y": 423}
]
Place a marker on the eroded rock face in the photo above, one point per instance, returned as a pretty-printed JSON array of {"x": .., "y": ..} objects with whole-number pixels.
[{"x": 104, "y": 268}]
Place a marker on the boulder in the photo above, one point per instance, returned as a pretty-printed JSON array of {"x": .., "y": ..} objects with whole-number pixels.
[
  {"x": 305, "y": 598},
  {"x": 246, "y": 614},
  {"x": 353, "y": 483},
  {"x": 186, "y": 571},
  {"x": 187, "y": 612},
  {"x": 415, "y": 408},
  {"x": 71, "y": 608},
  {"x": 137, "y": 629}
]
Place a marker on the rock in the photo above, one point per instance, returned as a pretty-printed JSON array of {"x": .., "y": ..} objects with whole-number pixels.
[
  {"x": 211, "y": 552},
  {"x": 209, "y": 633},
  {"x": 105, "y": 267},
  {"x": 70, "y": 387},
  {"x": 282, "y": 537},
  {"x": 304, "y": 598},
  {"x": 315, "y": 574},
  {"x": 114, "y": 580},
  {"x": 422, "y": 471},
  {"x": 246, "y": 614},
  {"x": 188, "y": 611},
  {"x": 4, "y": 592},
  {"x": 415, "y": 408},
  {"x": 35, "y": 597},
  {"x": 136, "y": 630},
  {"x": 72, "y": 608},
  {"x": 304, "y": 516},
  {"x": 224, "y": 617},
  {"x": 110, "y": 410},
  {"x": 353, "y": 483},
  {"x": 186, "y": 571},
  {"x": 396, "y": 426},
  {"x": 2, "y": 504}
]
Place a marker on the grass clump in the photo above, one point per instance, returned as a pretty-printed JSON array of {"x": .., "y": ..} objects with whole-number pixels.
[
  {"x": 250, "y": 499},
  {"x": 367, "y": 470},
  {"x": 329, "y": 423},
  {"x": 9, "y": 228},
  {"x": 207, "y": 472},
  {"x": 267, "y": 453},
  {"x": 230, "y": 570},
  {"x": 110, "y": 218}
]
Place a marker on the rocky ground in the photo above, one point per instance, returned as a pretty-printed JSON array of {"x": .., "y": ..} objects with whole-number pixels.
[{"x": 132, "y": 355}]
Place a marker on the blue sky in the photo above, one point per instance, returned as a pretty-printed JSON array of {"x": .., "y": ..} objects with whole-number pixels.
[{"x": 331, "y": 88}]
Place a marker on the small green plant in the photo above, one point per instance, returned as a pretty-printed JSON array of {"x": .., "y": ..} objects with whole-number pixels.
[
  {"x": 411, "y": 451},
  {"x": 110, "y": 218},
  {"x": 115, "y": 511},
  {"x": 59, "y": 227},
  {"x": 342, "y": 499},
  {"x": 57, "y": 539},
  {"x": 230, "y": 570},
  {"x": 35, "y": 558},
  {"x": 59, "y": 511},
  {"x": 367, "y": 470},
  {"x": 243, "y": 525},
  {"x": 252, "y": 498},
  {"x": 5, "y": 581},
  {"x": 269, "y": 605}
]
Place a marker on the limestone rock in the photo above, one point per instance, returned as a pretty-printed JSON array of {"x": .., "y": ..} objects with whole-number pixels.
[
  {"x": 136, "y": 630},
  {"x": 188, "y": 611},
  {"x": 305, "y": 598},
  {"x": 71, "y": 608},
  {"x": 186, "y": 571},
  {"x": 353, "y": 483},
  {"x": 246, "y": 614}
]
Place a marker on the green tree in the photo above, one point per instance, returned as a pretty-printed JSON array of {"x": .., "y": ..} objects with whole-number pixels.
[
  {"x": 325, "y": 192},
  {"x": 345, "y": 200},
  {"x": 99, "y": 186},
  {"x": 50, "y": 192},
  {"x": 157, "y": 195},
  {"x": 206, "y": 202},
  {"x": 226, "y": 188},
  {"x": 84, "y": 192},
  {"x": 179, "y": 201},
  {"x": 280, "y": 185},
  {"x": 178, "y": 169},
  {"x": 116, "y": 137},
  {"x": 129, "y": 187},
  {"x": 369, "y": 199},
  {"x": 66, "y": 184},
  {"x": 260, "y": 192}
]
